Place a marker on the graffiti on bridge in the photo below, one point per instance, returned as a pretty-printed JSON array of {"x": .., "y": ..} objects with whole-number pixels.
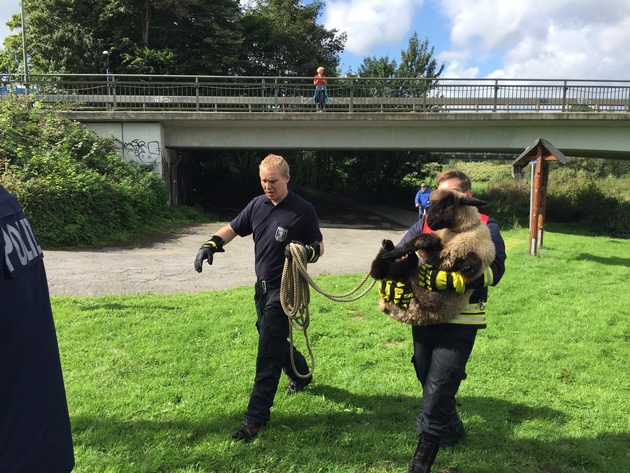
[{"x": 146, "y": 152}]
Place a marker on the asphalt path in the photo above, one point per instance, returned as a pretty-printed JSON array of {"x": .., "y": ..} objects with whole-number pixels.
[{"x": 163, "y": 263}]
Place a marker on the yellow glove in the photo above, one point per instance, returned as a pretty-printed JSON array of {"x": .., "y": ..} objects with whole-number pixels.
[
  {"x": 437, "y": 280},
  {"x": 395, "y": 291}
]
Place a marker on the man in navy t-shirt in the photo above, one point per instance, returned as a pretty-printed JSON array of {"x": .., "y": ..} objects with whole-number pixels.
[
  {"x": 275, "y": 219},
  {"x": 35, "y": 434}
]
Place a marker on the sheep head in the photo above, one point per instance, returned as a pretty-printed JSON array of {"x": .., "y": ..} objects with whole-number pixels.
[{"x": 452, "y": 209}]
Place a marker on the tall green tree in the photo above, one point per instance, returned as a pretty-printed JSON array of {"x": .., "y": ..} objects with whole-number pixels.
[
  {"x": 271, "y": 37},
  {"x": 283, "y": 37},
  {"x": 11, "y": 57},
  {"x": 379, "y": 174},
  {"x": 418, "y": 69},
  {"x": 377, "y": 67},
  {"x": 143, "y": 36},
  {"x": 415, "y": 75},
  {"x": 200, "y": 38}
]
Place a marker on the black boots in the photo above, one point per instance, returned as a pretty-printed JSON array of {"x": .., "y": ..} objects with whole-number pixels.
[{"x": 425, "y": 454}]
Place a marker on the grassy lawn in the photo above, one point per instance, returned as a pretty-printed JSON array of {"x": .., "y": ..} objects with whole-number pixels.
[{"x": 157, "y": 383}]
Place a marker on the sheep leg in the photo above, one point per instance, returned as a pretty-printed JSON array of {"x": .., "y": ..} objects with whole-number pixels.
[
  {"x": 397, "y": 269},
  {"x": 427, "y": 243},
  {"x": 380, "y": 267}
]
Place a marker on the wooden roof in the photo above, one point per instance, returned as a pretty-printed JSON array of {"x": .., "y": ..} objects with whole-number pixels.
[{"x": 549, "y": 153}]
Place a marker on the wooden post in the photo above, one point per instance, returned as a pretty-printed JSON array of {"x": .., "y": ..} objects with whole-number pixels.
[
  {"x": 536, "y": 204},
  {"x": 544, "y": 178},
  {"x": 533, "y": 223}
]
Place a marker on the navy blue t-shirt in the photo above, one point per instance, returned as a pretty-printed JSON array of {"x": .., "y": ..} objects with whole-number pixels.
[
  {"x": 35, "y": 434},
  {"x": 274, "y": 227}
]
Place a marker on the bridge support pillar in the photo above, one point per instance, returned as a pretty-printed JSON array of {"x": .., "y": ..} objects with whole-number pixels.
[{"x": 143, "y": 143}]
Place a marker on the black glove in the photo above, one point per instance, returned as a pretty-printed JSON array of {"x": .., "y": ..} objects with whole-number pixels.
[
  {"x": 312, "y": 251},
  {"x": 209, "y": 248},
  {"x": 395, "y": 291}
]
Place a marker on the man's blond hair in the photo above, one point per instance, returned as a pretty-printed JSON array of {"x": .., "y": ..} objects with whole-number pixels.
[{"x": 275, "y": 161}]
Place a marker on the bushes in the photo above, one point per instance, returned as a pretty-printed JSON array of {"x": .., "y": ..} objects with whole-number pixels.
[
  {"x": 73, "y": 185},
  {"x": 592, "y": 192}
]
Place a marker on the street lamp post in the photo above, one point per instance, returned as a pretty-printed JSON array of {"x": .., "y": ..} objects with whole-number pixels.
[
  {"x": 108, "y": 78},
  {"x": 107, "y": 71},
  {"x": 25, "y": 56}
]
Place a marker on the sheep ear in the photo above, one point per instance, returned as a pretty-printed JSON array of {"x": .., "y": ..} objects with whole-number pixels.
[{"x": 473, "y": 202}]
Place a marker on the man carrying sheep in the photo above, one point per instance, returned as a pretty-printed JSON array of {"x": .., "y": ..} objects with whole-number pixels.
[{"x": 441, "y": 351}]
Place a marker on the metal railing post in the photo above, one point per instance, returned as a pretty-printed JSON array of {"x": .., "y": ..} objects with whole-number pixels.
[
  {"x": 196, "y": 93},
  {"x": 113, "y": 91},
  {"x": 351, "y": 103},
  {"x": 425, "y": 91},
  {"x": 564, "y": 96},
  {"x": 496, "y": 94}
]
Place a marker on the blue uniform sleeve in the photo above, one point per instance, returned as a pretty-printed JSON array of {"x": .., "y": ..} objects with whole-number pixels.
[
  {"x": 312, "y": 232},
  {"x": 497, "y": 267},
  {"x": 413, "y": 232}
]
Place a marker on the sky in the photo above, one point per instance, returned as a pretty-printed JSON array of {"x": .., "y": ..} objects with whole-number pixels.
[{"x": 521, "y": 39}]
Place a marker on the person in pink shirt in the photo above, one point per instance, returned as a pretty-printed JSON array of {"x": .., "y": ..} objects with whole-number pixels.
[{"x": 321, "y": 95}]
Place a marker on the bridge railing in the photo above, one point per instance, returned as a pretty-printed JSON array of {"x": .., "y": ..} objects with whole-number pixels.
[{"x": 295, "y": 94}]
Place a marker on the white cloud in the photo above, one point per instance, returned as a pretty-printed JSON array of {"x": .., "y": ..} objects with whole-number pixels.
[
  {"x": 573, "y": 39},
  {"x": 7, "y": 9},
  {"x": 371, "y": 23}
]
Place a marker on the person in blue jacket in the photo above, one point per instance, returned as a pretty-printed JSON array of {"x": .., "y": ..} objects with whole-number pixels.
[
  {"x": 441, "y": 351},
  {"x": 423, "y": 200},
  {"x": 35, "y": 433}
]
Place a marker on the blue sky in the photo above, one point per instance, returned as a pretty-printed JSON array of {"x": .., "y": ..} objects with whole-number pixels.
[{"x": 525, "y": 39}]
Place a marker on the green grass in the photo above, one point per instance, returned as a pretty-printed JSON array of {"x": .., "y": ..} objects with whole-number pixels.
[{"x": 157, "y": 383}]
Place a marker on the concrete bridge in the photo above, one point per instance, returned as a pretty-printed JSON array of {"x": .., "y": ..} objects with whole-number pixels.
[
  {"x": 158, "y": 119},
  {"x": 162, "y": 138}
]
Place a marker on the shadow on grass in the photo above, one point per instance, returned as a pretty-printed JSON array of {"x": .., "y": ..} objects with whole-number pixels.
[
  {"x": 353, "y": 433},
  {"x": 610, "y": 261}
]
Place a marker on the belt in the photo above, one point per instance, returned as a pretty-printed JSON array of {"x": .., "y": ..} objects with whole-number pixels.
[{"x": 269, "y": 284}]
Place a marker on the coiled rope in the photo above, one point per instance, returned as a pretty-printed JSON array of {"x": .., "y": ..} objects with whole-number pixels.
[{"x": 295, "y": 298}]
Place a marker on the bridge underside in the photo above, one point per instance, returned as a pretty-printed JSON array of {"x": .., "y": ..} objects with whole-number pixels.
[
  {"x": 160, "y": 139},
  {"x": 600, "y": 135}
]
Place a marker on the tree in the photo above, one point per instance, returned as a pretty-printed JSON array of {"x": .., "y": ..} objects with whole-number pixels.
[
  {"x": 273, "y": 37},
  {"x": 202, "y": 38},
  {"x": 418, "y": 68},
  {"x": 143, "y": 36},
  {"x": 282, "y": 37},
  {"x": 418, "y": 61},
  {"x": 377, "y": 67},
  {"x": 379, "y": 174},
  {"x": 416, "y": 75},
  {"x": 11, "y": 56}
]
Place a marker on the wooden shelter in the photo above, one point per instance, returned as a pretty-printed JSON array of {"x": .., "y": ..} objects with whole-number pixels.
[{"x": 539, "y": 152}]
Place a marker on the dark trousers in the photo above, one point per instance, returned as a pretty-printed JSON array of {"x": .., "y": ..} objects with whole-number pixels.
[
  {"x": 321, "y": 98},
  {"x": 440, "y": 356},
  {"x": 273, "y": 354}
]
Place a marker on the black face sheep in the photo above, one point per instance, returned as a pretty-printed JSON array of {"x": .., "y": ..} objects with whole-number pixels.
[{"x": 460, "y": 242}]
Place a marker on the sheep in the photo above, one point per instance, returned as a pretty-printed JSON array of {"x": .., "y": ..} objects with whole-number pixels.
[{"x": 460, "y": 242}]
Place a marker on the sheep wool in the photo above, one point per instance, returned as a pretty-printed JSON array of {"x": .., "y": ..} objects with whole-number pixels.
[{"x": 461, "y": 242}]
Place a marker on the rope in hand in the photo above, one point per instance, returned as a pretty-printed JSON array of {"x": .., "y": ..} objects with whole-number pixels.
[{"x": 295, "y": 297}]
